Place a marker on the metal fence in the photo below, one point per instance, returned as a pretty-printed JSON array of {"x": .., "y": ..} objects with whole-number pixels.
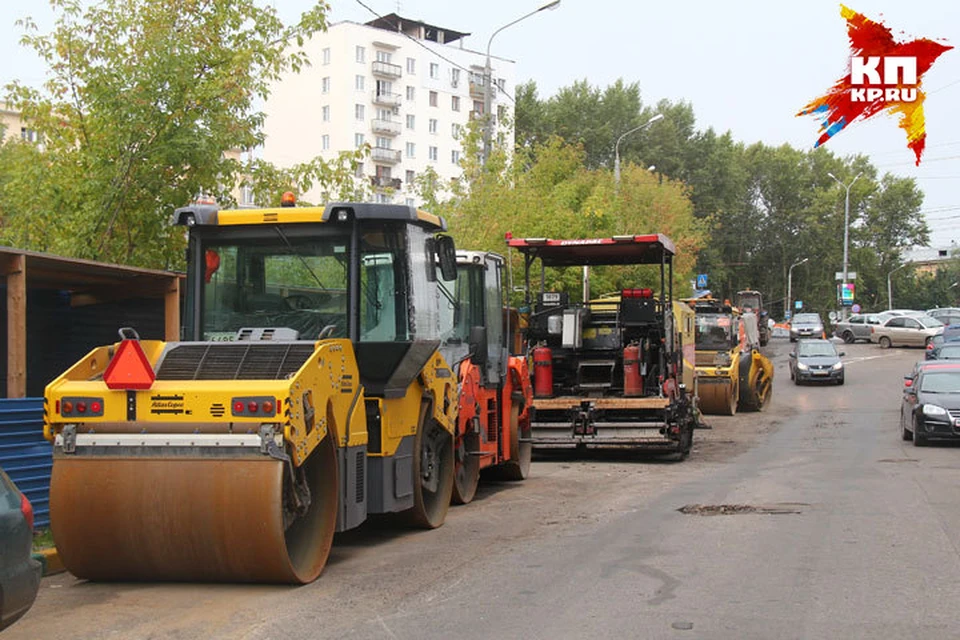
[{"x": 25, "y": 455}]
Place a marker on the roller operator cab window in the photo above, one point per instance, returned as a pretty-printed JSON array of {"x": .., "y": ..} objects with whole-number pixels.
[
  {"x": 278, "y": 282},
  {"x": 713, "y": 332}
]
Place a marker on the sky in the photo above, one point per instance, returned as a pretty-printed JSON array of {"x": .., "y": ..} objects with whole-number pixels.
[{"x": 747, "y": 66}]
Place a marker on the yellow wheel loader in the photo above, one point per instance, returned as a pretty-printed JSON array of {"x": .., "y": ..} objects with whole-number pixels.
[
  {"x": 311, "y": 388},
  {"x": 732, "y": 373}
]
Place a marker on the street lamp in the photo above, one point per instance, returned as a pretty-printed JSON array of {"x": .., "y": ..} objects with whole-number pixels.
[
  {"x": 890, "y": 285},
  {"x": 790, "y": 285},
  {"x": 488, "y": 79},
  {"x": 616, "y": 148},
  {"x": 846, "y": 236}
]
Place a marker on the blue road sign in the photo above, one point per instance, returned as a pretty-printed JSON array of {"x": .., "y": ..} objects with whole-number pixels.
[
  {"x": 702, "y": 281},
  {"x": 798, "y": 304}
]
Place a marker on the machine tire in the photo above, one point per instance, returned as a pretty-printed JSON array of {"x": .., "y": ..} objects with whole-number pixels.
[
  {"x": 885, "y": 342},
  {"x": 848, "y": 337},
  {"x": 905, "y": 433},
  {"x": 918, "y": 440},
  {"x": 466, "y": 476},
  {"x": 433, "y": 443},
  {"x": 521, "y": 453}
]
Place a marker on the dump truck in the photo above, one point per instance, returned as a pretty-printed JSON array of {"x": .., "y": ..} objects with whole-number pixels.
[
  {"x": 493, "y": 426},
  {"x": 749, "y": 300},
  {"x": 732, "y": 373},
  {"x": 617, "y": 371},
  {"x": 312, "y": 387}
]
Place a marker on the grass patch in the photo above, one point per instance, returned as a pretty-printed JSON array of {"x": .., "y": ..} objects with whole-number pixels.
[{"x": 42, "y": 539}]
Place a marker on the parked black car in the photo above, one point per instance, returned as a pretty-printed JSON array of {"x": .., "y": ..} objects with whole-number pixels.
[
  {"x": 816, "y": 360},
  {"x": 930, "y": 409},
  {"x": 19, "y": 572},
  {"x": 944, "y": 351}
]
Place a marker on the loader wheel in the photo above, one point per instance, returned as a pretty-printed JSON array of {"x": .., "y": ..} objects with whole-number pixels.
[
  {"x": 467, "y": 474},
  {"x": 521, "y": 449},
  {"x": 433, "y": 462}
]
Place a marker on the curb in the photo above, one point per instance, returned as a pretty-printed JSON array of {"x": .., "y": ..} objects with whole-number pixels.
[{"x": 49, "y": 559}]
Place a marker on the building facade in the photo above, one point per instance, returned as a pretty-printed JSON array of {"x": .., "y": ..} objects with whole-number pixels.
[
  {"x": 13, "y": 127},
  {"x": 406, "y": 88}
]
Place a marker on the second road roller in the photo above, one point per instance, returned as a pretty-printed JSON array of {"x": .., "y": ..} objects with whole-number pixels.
[
  {"x": 732, "y": 373},
  {"x": 316, "y": 382}
]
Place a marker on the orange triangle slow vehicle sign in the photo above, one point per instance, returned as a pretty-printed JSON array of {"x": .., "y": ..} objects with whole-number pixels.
[{"x": 129, "y": 368}]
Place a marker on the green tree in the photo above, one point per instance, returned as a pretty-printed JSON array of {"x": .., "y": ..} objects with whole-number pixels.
[{"x": 145, "y": 98}]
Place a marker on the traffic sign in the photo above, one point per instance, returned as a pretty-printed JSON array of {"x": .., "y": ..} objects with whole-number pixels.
[
  {"x": 798, "y": 304},
  {"x": 702, "y": 281},
  {"x": 851, "y": 275},
  {"x": 855, "y": 308}
]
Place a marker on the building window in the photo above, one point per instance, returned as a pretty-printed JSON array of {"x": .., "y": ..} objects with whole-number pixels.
[
  {"x": 325, "y": 85},
  {"x": 411, "y": 65},
  {"x": 478, "y": 107},
  {"x": 325, "y": 142},
  {"x": 411, "y": 121},
  {"x": 361, "y": 54},
  {"x": 434, "y": 70},
  {"x": 359, "y": 112},
  {"x": 358, "y": 172},
  {"x": 433, "y": 98},
  {"x": 501, "y": 112},
  {"x": 384, "y": 88},
  {"x": 455, "y": 78},
  {"x": 501, "y": 83},
  {"x": 410, "y": 176},
  {"x": 359, "y": 82},
  {"x": 455, "y": 130},
  {"x": 358, "y": 140},
  {"x": 411, "y": 94},
  {"x": 326, "y": 56},
  {"x": 384, "y": 114},
  {"x": 325, "y": 113},
  {"x": 383, "y": 198},
  {"x": 411, "y": 150},
  {"x": 384, "y": 143},
  {"x": 384, "y": 56},
  {"x": 455, "y": 103},
  {"x": 455, "y": 157},
  {"x": 432, "y": 153},
  {"x": 432, "y": 125},
  {"x": 28, "y": 135}
]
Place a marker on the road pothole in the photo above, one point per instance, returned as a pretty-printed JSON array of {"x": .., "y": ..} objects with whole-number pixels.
[{"x": 782, "y": 508}]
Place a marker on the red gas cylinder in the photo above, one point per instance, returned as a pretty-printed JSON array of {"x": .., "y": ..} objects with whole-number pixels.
[
  {"x": 632, "y": 380},
  {"x": 542, "y": 372}
]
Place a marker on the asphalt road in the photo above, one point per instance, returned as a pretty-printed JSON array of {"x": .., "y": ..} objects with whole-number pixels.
[{"x": 833, "y": 528}]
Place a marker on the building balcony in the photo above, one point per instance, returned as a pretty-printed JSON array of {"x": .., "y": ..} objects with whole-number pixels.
[
  {"x": 477, "y": 86},
  {"x": 379, "y": 182},
  {"x": 386, "y": 70},
  {"x": 384, "y": 155},
  {"x": 385, "y": 127},
  {"x": 386, "y": 99}
]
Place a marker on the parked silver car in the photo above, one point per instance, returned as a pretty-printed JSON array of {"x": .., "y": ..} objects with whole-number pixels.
[
  {"x": 806, "y": 325},
  {"x": 906, "y": 330},
  {"x": 946, "y": 315},
  {"x": 857, "y": 327}
]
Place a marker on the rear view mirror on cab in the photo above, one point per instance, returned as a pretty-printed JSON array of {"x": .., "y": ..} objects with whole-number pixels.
[{"x": 447, "y": 255}]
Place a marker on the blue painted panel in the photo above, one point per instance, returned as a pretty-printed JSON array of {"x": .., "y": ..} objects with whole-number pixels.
[{"x": 25, "y": 455}]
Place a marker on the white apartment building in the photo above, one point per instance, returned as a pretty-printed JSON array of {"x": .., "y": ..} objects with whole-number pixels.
[{"x": 402, "y": 86}]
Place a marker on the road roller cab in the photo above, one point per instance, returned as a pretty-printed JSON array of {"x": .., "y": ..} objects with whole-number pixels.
[
  {"x": 309, "y": 390},
  {"x": 615, "y": 371}
]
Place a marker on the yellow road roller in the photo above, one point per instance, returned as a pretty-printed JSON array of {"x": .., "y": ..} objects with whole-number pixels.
[
  {"x": 732, "y": 373},
  {"x": 310, "y": 389}
]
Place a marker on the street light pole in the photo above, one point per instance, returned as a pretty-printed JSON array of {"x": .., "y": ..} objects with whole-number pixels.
[
  {"x": 790, "y": 286},
  {"x": 846, "y": 237},
  {"x": 616, "y": 148},
  {"x": 890, "y": 285},
  {"x": 488, "y": 80}
]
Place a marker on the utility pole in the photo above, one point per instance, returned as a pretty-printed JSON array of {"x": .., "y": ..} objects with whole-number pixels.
[
  {"x": 846, "y": 238},
  {"x": 488, "y": 123}
]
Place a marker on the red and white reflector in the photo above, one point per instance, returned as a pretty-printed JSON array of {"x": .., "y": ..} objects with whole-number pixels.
[{"x": 129, "y": 368}]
